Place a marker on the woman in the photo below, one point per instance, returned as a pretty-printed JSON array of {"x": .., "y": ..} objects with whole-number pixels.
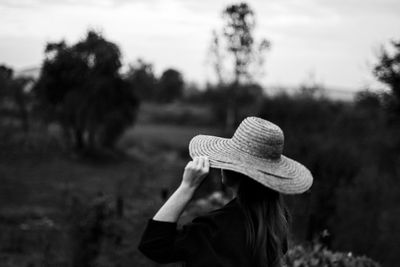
[{"x": 252, "y": 229}]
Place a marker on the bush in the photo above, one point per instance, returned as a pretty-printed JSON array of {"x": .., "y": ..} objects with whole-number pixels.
[{"x": 317, "y": 255}]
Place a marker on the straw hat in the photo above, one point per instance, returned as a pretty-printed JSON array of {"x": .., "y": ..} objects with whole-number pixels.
[{"x": 256, "y": 151}]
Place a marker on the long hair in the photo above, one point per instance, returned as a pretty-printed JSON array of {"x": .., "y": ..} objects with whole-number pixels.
[{"x": 267, "y": 220}]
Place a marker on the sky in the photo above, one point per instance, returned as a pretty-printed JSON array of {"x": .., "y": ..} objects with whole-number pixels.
[{"x": 334, "y": 43}]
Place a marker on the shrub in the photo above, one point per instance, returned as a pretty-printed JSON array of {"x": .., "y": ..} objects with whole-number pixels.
[{"x": 317, "y": 255}]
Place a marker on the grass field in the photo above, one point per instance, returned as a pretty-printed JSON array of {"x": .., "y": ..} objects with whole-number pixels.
[{"x": 163, "y": 135}]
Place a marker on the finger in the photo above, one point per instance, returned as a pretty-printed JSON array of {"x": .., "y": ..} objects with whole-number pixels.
[
  {"x": 207, "y": 164},
  {"x": 200, "y": 162},
  {"x": 204, "y": 160},
  {"x": 195, "y": 161}
]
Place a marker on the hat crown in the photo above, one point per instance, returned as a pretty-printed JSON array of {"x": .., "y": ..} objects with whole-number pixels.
[{"x": 259, "y": 137}]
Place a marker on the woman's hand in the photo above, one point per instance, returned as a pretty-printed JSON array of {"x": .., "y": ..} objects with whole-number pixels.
[{"x": 195, "y": 172}]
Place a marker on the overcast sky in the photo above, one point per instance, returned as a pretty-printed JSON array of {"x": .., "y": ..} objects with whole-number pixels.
[{"x": 334, "y": 41}]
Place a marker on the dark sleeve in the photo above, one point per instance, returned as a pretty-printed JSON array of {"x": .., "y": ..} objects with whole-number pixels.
[
  {"x": 285, "y": 246},
  {"x": 157, "y": 241},
  {"x": 163, "y": 243}
]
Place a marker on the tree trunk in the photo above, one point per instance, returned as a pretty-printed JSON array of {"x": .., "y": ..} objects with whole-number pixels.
[
  {"x": 79, "y": 141},
  {"x": 21, "y": 101},
  {"x": 25, "y": 120},
  {"x": 92, "y": 138},
  {"x": 232, "y": 108}
]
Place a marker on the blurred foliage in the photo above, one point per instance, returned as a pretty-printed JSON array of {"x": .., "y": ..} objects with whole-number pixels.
[
  {"x": 171, "y": 86},
  {"x": 234, "y": 53},
  {"x": 387, "y": 71},
  {"x": 318, "y": 256},
  {"x": 351, "y": 150},
  {"x": 15, "y": 97},
  {"x": 165, "y": 89},
  {"x": 247, "y": 98},
  {"x": 81, "y": 88},
  {"x": 142, "y": 78}
]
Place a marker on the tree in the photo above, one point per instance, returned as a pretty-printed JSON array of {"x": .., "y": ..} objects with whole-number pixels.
[
  {"x": 141, "y": 77},
  {"x": 238, "y": 32},
  {"x": 236, "y": 46},
  {"x": 387, "y": 71},
  {"x": 15, "y": 99},
  {"x": 22, "y": 97},
  {"x": 81, "y": 88},
  {"x": 6, "y": 75},
  {"x": 216, "y": 57},
  {"x": 170, "y": 86}
]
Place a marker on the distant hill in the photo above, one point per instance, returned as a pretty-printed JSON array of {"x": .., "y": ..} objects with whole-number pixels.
[
  {"x": 341, "y": 94},
  {"x": 33, "y": 72},
  {"x": 331, "y": 93}
]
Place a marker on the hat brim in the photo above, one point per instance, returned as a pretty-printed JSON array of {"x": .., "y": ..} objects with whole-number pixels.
[{"x": 284, "y": 174}]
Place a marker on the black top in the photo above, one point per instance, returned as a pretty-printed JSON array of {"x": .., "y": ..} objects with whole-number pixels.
[{"x": 216, "y": 239}]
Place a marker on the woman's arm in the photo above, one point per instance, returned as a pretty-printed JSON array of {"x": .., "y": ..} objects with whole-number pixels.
[
  {"x": 194, "y": 174},
  {"x": 159, "y": 239}
]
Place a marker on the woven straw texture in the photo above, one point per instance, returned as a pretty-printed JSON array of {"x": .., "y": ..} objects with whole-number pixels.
[{"x": 256, "y": 151}]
